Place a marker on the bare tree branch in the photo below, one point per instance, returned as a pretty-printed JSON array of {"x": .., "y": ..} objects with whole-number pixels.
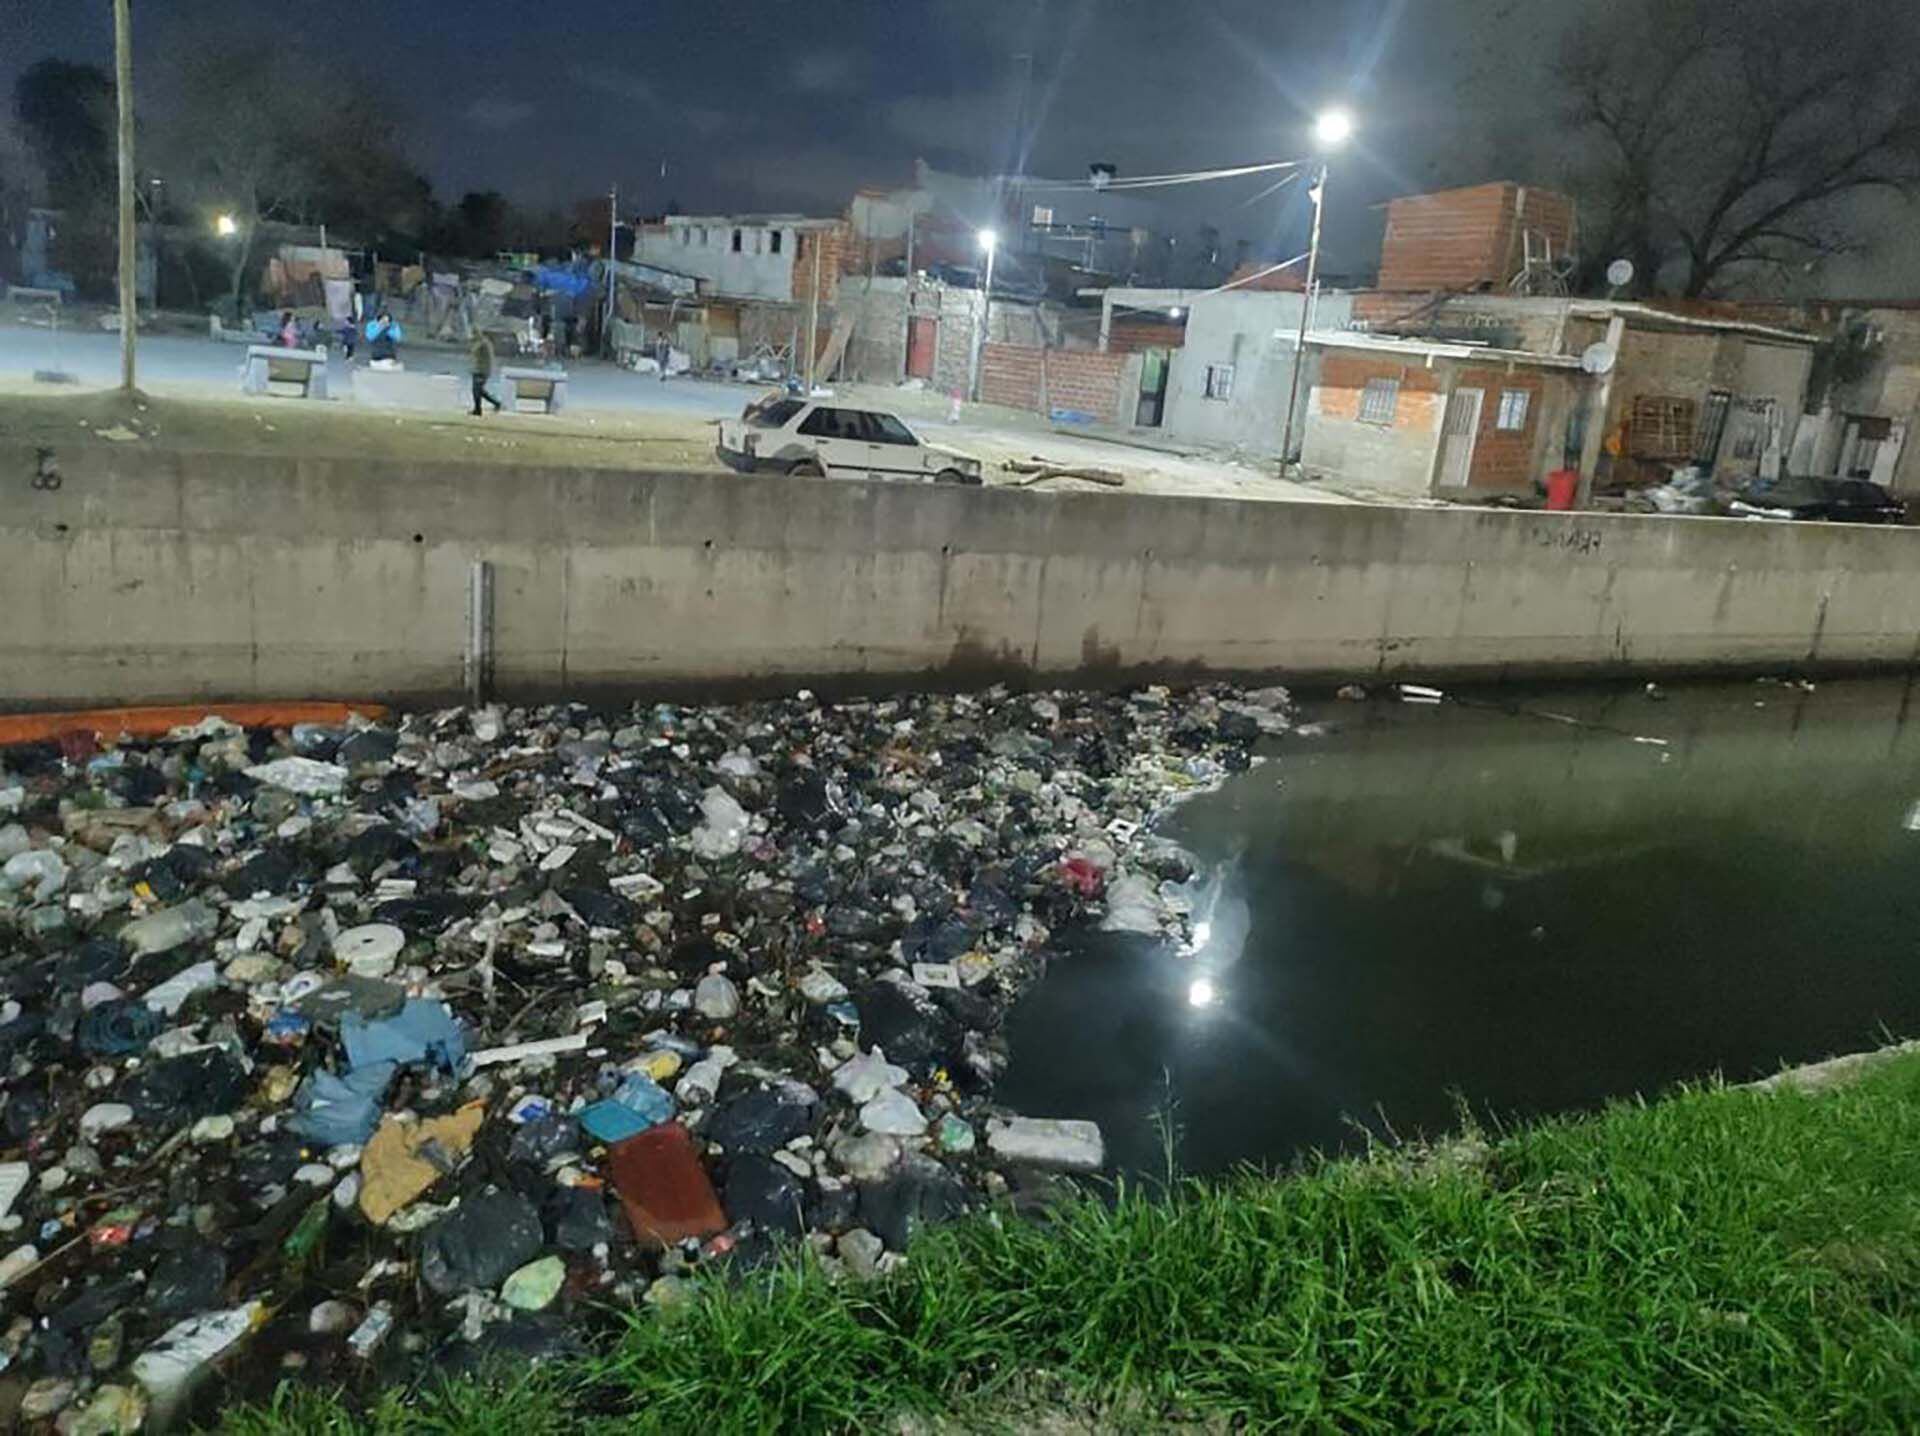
[{"x": 1727, "y": 136}]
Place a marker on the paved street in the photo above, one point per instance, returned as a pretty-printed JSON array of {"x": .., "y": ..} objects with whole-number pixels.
[{"x": 191, "y": 367}]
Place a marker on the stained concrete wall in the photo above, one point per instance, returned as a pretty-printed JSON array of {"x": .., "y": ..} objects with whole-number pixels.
[
  {"x": 146, "y": 577},
  {"x": 1254, "y": 332},
  {"x": 703, "y": 247},
  {"x": 1399, "y": 454}
]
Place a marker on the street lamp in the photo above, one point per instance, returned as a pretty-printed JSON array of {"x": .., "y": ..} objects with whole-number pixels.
[
  {"x": 989, "y": 241},
  {"x": 1331, "y": 129},
  {"x": 225, "y": 226}
]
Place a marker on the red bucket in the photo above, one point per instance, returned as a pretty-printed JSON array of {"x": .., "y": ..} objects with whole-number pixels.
[{"x": 1562, "y": 486}]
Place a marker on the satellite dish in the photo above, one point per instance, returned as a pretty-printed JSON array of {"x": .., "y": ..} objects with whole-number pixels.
[
  {"x": 1620, "y": 273},
  {"x": 1597, "y": 358}
]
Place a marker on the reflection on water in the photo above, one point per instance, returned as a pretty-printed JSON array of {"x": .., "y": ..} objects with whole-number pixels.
[{"x": 1434, "y": 903}]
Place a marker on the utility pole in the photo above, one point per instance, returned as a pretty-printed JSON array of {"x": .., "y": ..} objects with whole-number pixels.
[
  {"x": 906, "y": 345},
  {"x": 813, "y": 308},
  {"x": 989, "y": 241},
  {"x": 1594, "y": 436},
  {"x": 613, "y": 253},
  {"x": 1318, "y": 194},
  {"x": 123, "y": 86}
]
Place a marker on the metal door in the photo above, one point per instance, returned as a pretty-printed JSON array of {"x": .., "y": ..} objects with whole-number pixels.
[
  {"x": 1153, "y": 388},
  {"x": 1456, "y": 440},
  {"x": 921, "y": 335}
]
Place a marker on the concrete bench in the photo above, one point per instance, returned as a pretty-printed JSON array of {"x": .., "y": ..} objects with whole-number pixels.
[
  {"x": 538, "y": 391},
  {"x": 408, "y": 389},
  {"x": 34, "y": 304},
  {"x": 300, "y": 373}
]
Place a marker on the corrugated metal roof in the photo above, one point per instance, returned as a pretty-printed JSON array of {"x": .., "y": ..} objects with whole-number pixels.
[
  {"x": 1632, "y": 310},
  {"x": 1437, "y": 349}
]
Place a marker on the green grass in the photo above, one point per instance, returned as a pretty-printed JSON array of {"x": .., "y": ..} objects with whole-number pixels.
[{"x": 1715, "y": 1261}]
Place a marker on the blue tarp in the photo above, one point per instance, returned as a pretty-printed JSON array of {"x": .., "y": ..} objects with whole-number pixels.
[
  {"x": 567, "y": 281},
  {"x": 422, "y": 1031},
  {"x": 332, "y": 1110}
]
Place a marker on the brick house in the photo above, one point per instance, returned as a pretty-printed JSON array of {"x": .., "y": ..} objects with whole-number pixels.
[{"x": 1424, "y": 416}]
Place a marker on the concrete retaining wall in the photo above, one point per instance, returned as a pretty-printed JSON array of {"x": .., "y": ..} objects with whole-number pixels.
[{"x": 151, "y": 576}]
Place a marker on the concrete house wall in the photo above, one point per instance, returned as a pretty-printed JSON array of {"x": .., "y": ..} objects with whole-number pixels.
[
  {"x": 1255, "y": 333},
  {"x": 703, "y": 246},
  {"x": 1405, "y": 452},
  {"x": 1890, "y": 389},
  {"x": 1399, "y": 454},
  {"x": 1690, "y": 364}
]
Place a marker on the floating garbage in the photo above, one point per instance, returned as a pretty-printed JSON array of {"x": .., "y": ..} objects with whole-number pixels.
[{"x": 390, "y": 1038}]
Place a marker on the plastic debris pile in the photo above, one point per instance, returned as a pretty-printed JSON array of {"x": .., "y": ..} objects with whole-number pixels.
[{"x": 356, "y": 1049}]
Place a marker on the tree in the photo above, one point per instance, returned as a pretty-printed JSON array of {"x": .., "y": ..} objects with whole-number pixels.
[
  {"x": 1720, "y": 139},
  {"x": 233, "y": 144},
  {"x": 484, "y": 222},
  {"x": 362, "y": 183},
  {"x": 261, "y": 134},
  {"x": 65, "y": 114}
]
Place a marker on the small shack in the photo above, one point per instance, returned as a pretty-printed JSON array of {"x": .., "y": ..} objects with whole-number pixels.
[{"x": 1425, "y": 416}]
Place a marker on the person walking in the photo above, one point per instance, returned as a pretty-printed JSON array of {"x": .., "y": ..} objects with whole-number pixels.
[{"x": 480, "y": 361}]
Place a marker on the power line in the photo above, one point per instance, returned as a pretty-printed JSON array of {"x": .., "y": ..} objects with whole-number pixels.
[{"x": 1162, "y": 181}]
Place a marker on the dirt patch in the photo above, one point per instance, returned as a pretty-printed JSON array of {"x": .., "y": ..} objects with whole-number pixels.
[{"x": 597, "y": 439}]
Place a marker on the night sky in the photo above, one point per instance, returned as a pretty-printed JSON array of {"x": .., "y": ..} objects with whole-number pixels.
[{"x": 725, "y": 105}]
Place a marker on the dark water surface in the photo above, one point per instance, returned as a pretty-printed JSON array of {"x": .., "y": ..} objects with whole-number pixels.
[{"x": 1430, "y": 903}]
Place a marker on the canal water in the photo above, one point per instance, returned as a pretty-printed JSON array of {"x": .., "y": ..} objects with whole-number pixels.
[{"x": 1528, "y": 903}]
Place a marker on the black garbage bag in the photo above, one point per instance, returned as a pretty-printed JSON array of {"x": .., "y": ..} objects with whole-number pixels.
[
  {"x": 765, "y": 1119},
  {"x": 917, "y": 1194},
  {"x": 480, "y": 1243},
  {"x": 760, "y": 1190},
  {"x": 187, "y": 1088}
]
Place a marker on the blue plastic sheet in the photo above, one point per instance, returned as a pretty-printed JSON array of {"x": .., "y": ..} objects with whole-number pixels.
[
  {"x": 571, "y": 282},
  {"x": 421, "y": 1031},
  {"x": 330, "y": 1110}
]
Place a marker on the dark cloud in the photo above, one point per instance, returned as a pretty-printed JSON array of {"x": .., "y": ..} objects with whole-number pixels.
[
  {"x": 737, "y": 105},
  {"x": 489, "y": 113}
]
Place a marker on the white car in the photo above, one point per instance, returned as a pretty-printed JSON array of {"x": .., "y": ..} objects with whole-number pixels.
[{"x": 806, "y": 437}]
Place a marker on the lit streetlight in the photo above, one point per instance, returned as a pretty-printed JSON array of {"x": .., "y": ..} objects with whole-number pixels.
[
  {"x": 1331, "y": 129},
  {"x": 225, "y": 226},
  {"x": 989, "y": 241}
]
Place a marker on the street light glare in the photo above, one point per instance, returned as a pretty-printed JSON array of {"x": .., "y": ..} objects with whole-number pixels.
[
  {"x": 224, "y": 224},
  {"x": 988, "y": 239},
  {"x": 1333, "y": 127}
]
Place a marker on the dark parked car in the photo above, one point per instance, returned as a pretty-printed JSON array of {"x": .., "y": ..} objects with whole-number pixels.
[{"x": 1845, "y": 501}]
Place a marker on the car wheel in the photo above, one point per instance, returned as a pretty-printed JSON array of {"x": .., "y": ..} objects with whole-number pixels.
[
  {"x": 952, "y": 476},
  {"x": 807, "y": 469}
]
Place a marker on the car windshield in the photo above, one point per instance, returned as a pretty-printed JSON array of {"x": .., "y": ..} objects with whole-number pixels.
[{"x": 774, "y": 413}]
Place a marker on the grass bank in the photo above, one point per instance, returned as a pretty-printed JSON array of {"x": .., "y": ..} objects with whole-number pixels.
[{"x": 1718, "y": 1260}]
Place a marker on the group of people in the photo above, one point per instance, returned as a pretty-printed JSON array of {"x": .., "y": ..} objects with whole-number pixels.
[{"x": 383, "y": 334}]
